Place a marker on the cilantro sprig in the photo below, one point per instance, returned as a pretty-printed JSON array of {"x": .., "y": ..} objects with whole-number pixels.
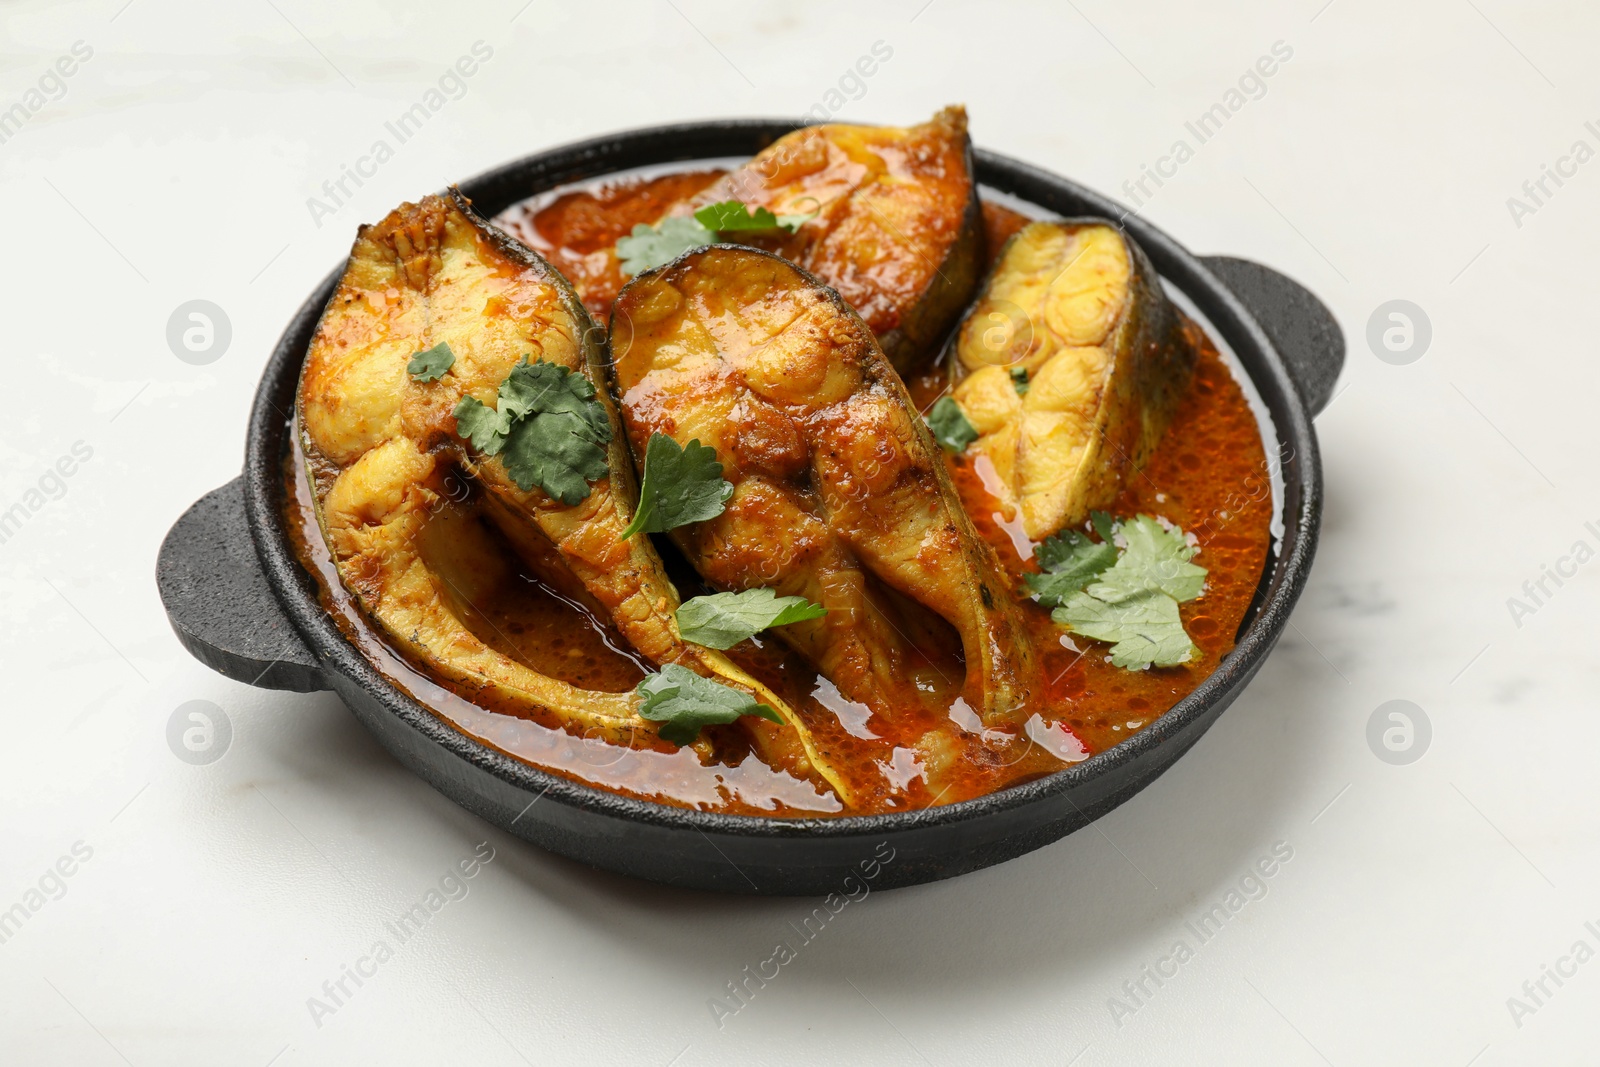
[
  {"x": 1070, "y": 560},
  {"x": 547, "y": 428},
  {"x": 430, "y": 364},
  {"x": 722, "y": 620},
  {"x": 649, "y": 247},
  {"x": 1155, "y": 560},
  {"x": 683, "y": 702},
  {"x": 734, "y": 216},
  {"x": 1145, "y": 631},
  {"x": 679, "y": 486},
  {"x": 1128, "y": 597},
  {"x": 950, "y": 425}
]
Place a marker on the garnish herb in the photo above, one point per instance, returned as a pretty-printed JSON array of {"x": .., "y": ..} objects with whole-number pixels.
[
  {"x": 1019, "y": 380},
  {"x": 683, "y": 702},
  {"x": 1068, "y": 562},
  {"x": 548, "y": 429},
  {"x": 733, "y": 216},
  {"x": 722, "y": 620},
  {"x": 950, "y": 426},
  {"x": 1145, "y": 631},
  {"x": 1129, "y": 597},
  {"x": 679, "y": 486},
  {"x": 649, "y": 247},
  {"x": 430, "y": 364},
  {"x": 1156, "y": 560}
]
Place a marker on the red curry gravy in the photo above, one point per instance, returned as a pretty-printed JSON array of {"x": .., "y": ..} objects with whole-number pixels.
[{"x": 1209, "y": 476}]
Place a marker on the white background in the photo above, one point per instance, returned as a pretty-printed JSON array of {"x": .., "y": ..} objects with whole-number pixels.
[{"x": 1377, "y": 166}]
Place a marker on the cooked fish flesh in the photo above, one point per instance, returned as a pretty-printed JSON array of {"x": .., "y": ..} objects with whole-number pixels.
[{"x": 1069, "y": 367}]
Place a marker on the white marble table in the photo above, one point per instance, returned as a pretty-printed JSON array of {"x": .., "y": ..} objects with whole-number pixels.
[{"x": 174, "y": 913}]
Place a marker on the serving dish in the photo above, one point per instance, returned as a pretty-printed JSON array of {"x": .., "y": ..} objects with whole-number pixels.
[{"x": 242, "y": 603}]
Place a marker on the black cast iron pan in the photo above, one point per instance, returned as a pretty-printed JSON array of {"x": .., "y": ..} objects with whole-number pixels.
[{"x": 243, "y": 605}]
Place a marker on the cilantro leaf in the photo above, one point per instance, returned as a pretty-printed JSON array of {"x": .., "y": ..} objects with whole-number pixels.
[
  {"x": 1069, "y": 561},
  {"x": 548, "y": 428},
  {"x": 733, "y": 216},
  {"x": 950, "y": 426},
  {"x": 430, "y": 364},
  {"x": 1156, "y": 560},
  {"x": 557, "y": 452},
  {"x": 722, "y": 620},
  {"x": 684, "y": 702},
  {"x": 548, "y": 388},
  {"x": 481, "y": 424},
  {"x": 680, "y": 486},
  {"x": 1128, "y": 597},
  {"x": 1145, "y": 630},
  {"x": 649, "y": 247},
  {"x": 1103, "y": 525},
  {"x": 1019, "y": 380}
]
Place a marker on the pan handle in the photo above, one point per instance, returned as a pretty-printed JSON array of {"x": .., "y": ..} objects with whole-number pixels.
[
  {"x": 220, "y": 604},
  {"x": 1300, "y": 326}
]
